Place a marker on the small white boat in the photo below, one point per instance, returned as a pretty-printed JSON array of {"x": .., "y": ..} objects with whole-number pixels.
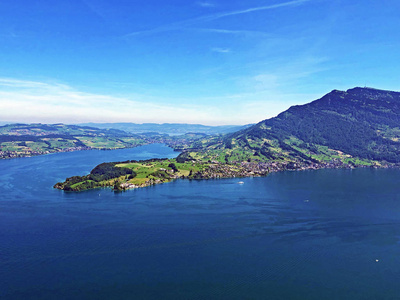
[{"x": 240, "y": 182}]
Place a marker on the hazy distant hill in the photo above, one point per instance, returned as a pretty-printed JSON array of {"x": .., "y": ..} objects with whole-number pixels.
[
  {"x": 39, "y": 129},
  {"x": 168, "y": 128},
  {"x": 357, "y": 123},
  {"x": 18, "y": 140}
]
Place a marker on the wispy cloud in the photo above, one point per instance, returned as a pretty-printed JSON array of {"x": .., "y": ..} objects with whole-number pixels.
[
  {"x": 281, "y": 73},
  {"x": 47, "y": 102},
  {"x": 249, "y": 33},
  {"x": 221, "y": 50},
  {"x": 26, "y": 84},
  {"x": 205, "y": 4},
  {"x": 265, "y": 81},
  {"x": 187, "y": 23},
  {"x": 31, "y": 101},
  {"x": 254, "y": 9}
]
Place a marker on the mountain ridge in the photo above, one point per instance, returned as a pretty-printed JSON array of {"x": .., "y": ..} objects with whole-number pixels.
[{"x": 360, "y": 123}]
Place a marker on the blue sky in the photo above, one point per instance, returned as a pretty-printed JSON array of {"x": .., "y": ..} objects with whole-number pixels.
[{"x": 210, "y": 62}]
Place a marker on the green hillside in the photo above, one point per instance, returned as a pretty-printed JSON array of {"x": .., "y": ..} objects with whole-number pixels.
[
  {"x": 358, "y": 126},
  {"x": 18, "y": 140}
]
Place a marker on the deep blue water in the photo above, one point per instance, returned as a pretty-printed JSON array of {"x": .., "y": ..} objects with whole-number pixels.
[{"x": 290, "y": 235}]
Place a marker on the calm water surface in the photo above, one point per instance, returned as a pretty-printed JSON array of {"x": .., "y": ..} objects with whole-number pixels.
[{"x": 327, "y": 234}]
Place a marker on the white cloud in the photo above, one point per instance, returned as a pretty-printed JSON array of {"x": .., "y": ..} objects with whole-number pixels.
[
  {"x": 247, "y": 33},
  {"x": 205, "y": 4},
  {"x": 186, "y": 23},
  {"x": 281, "y": 76},
  {"x": 37, "y": 101},
  {"x": 266, "y": 81},
  {"x": 31, "y": 101},
  {"x": 221, "y": 50},
  {"x": 254, "y": 9}
]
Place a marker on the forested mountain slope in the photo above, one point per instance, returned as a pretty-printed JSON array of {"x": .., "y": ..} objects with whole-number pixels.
[{"x": 360, "y": 123}]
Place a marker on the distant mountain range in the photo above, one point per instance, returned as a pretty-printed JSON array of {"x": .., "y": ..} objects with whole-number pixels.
[
  {"x": 168, "y": 128},
  {"x": 353, "y": 125}
]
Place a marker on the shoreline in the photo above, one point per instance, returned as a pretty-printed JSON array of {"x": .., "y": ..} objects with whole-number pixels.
[
  {"x": 226, "y": 171},
  {"x": 15, "y": 155}
]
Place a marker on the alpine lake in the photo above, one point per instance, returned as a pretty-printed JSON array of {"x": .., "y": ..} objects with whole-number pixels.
[{"x": 324, "y": 234}]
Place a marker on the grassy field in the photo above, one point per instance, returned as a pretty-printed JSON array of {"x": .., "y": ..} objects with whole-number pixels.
[
  {"x": 137, "y": 174},
  {"x": 161, "y": 170}
]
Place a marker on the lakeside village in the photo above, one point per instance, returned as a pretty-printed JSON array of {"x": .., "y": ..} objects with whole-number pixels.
[
  {"x": 217, "y": 170},
  {"x": 30, "y": 153}
]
